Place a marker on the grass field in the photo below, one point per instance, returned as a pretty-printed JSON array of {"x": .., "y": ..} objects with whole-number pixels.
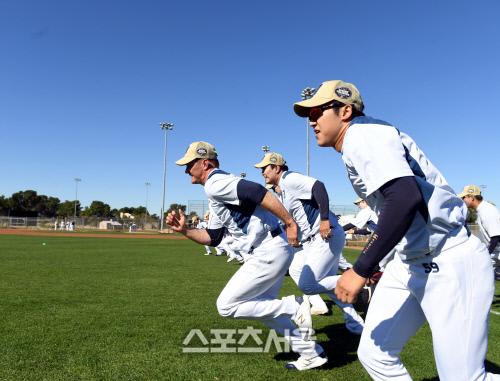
[{"x": 113, "y": 309}]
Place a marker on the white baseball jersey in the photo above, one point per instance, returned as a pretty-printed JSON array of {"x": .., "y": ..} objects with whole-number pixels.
[
  {"x": 202, "y": 225},
  {"x": 248, "y": 223},
  {"x": 296, "y": 196},
  {"x": 489, "y": 222},
  {"x": 363, "y": 217},
  {"x": 370, "y": 165}
]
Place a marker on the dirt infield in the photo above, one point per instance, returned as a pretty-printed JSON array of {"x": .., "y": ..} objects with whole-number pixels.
[{"x": 48, "y": 233}]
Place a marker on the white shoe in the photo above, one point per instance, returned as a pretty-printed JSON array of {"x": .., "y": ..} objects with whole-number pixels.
[
  {"x": 230, "y": 259},
  {"x": 319, "y": 310},
  {"x": 303, "y": 363},
  {"x": 207, "y": 253}
]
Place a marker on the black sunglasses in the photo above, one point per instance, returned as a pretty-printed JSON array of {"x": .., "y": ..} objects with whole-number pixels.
[{"x": 316, "y": 112}]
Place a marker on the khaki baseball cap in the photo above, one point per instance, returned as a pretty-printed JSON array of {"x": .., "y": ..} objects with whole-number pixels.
[
  {"x": 271, "y": 158},
  {"x": 470, "y": 190},
  {"x": 198, "y": 150},
  {"x": 358, "y": 200},
  {"x": 335, "y": 90}
]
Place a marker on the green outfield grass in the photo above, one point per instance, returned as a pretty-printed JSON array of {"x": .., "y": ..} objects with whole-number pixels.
[{"x": 119, "y": 309}]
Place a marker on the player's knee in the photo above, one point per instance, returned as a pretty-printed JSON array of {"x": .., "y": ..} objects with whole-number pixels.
[
  {"x": 308, "y": 287},
  {"x": 372, "y": 358},
  {"x": 223, "y": 308}
]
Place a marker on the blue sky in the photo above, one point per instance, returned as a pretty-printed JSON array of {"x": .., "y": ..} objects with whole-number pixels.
[{"x": 85, "y": 84}]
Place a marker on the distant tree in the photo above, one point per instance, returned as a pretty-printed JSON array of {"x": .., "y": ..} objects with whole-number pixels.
[
  {"x": 4, "y": 206},
  {"x": 135, "y": 211},
  {"x": 140, "y": 211},
  {"x": 471, "y": 216},
  {"x": 97, "y": 209},
  {"x": 47, "y": 206},
  {"x": 176, "y": 207},
  {"x": 67, "y": 209},
  {"x": 24, "y": 203}
]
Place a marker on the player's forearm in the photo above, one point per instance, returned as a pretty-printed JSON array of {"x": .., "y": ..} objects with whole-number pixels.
[
  {"x": 402, "y": 202},
  {"x": 197, "y": 235},
  {"x": 272, "y": 204},
  {"x": 320, "y": 195}
]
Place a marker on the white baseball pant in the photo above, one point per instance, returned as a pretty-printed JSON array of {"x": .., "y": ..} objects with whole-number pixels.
[
  {"x": 453, "y": 291},
  {"x": 314, "y": 270},
  {"x": 252, "y": 293}
]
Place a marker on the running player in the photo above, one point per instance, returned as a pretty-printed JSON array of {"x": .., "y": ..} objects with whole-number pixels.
[
  {"x": 315, "y": 264},
  {"x": 440, "y": 273},
  {"x": 251, "y": 214}
]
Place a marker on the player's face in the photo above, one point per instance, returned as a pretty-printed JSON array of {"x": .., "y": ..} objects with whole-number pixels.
[
  {"x": 270, "y": 174},
  {"x": 326, "y": 127},
  {"x": 195, "y": 170},
  {"x": 468, "y": 201}
]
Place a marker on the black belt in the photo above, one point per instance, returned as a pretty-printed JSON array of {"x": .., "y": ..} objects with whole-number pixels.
[{"x": 276, "y": 232}]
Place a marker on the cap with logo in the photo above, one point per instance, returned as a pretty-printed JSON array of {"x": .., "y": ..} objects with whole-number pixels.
[
  {"x": 358, "y": 200},
  {"x": 198, "y": 150},
  {"x": 271, "y": 158},
  {"x": 335, "y": 90},
  {"x": 470, "y": 190}
]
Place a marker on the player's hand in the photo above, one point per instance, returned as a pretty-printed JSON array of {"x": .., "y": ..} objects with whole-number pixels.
[
  {"x": 292, "y": 233},
  {"x": 176, "y": 220},
  {"x": 325, "y": 230},
  {"x": 348, "y": 286}
]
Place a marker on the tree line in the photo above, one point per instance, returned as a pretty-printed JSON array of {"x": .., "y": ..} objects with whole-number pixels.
[{"x": 29, "y": 203}]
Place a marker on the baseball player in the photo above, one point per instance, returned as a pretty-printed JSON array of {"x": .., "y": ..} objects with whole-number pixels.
[
  {"x": 251, "y": 214},
  {"x": 202, "y": 224},
  {"x": 315, "y": 264},
  {"x": 488, "y": 219},
  {"x": 440, "y": 273},
  {"x": 365, "y": 220}
]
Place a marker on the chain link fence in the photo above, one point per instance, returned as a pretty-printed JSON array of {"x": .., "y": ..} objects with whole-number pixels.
[{"x": 81, "y": 223}]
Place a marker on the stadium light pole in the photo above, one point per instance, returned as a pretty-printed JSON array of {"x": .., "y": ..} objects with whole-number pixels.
[
  {"x": 77, "y": 180},
  {"x": 307, "y": 93},
  {"x": 147, "y": 184},
  {"x": 266, "y": 149},
  {"x": 165, "y": 126},
  {"x": 243, "y": 175}
]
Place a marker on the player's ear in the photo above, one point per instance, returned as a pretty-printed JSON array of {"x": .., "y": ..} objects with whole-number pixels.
[{"x": 346, "y": 112}]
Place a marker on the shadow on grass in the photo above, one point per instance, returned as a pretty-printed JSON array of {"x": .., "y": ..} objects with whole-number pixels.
[
  {"x": 496, "y": 301},
  {"x": 340, "y": 348},
  {"x": 491, "y": 367}
]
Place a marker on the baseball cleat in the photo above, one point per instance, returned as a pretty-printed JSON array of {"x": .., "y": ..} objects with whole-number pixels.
[
  {"x": 230, "y": 259},
  {"x": 303, "y": 363},
  {"x": 207, "y": 254}
]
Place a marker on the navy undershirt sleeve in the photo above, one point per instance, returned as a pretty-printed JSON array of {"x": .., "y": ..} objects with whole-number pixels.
[
  {"x": 493, "y": 243},
  {"x": 320, "y": 195},
  {"x": 216, "y": 236},
  {"x": 402, "y": 201},
  {"x": 248, "y": 191},
  {"x": 349, "y": 226}
]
